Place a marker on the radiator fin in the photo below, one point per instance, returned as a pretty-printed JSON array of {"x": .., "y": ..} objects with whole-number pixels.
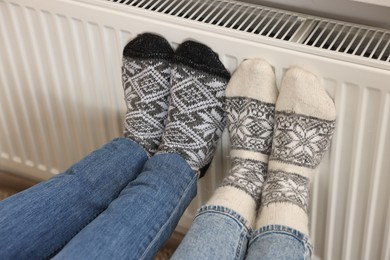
[
  {"x": 326, "y": 34},
  {"x": 370, "y": 43},
  {"x": 228, "y": 14}
]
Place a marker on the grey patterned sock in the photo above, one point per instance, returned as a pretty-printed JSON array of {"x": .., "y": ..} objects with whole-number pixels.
[
  {"x": 304, "y": 125},
  {"x": 146, "y": 76},
  {"x": 250, "y": 100},
  {"x": 196, "y": 117}
]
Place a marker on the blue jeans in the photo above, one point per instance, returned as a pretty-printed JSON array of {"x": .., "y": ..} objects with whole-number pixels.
[
  {"x": 113, "y": 204},
  {"x": 279, "y": 242},
  {"x": 220, "y": 233},
  {"x": 216, "y": 233}
]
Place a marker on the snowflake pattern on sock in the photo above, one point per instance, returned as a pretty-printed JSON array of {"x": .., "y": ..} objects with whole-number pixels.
[
  {"x": 196, "y": 117},
  {"x": 250, "y": 123},
  {"x": 247, "y": 175},
  {"x": 300, "y": 140},
  {"x": 286, "y": 187},
  {"x": 146, "y": 86}
]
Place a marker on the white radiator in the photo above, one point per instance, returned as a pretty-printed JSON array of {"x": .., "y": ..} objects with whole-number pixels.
[{"x": 61, "y": 95}]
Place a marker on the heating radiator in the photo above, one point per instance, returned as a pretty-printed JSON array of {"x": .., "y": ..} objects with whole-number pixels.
[{"x": 61, "y": 96}]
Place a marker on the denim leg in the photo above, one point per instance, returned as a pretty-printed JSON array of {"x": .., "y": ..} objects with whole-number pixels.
[
  {"x": 276, "y": 242},
  {"x": 39, "y": 221},
  {"x": 216, "y": 233},
  {"x": 142, "y": 218}
]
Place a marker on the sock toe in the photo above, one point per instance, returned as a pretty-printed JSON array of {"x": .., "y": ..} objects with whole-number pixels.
[
  {"x": 303, "y": 94},
  {"x": 254, "y": 78},
  {"x": 148, "y": 45},
  {"x": 200, "y": 57}
]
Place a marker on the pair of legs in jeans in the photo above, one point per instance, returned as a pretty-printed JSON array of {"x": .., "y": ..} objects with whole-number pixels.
[
  {"x": 260, "y": 211},
  {"x": 125, "y": 199}
]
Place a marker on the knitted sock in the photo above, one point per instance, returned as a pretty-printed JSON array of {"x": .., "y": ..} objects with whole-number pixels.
[
  {"x": 146, "y": 75},
  {"x": 250, "y": 96},
  {"x": 304, "y": 124},
  {"x": 196, "y": 116}
]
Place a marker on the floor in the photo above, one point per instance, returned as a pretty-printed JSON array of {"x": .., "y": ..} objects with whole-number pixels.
[{"x": 11, "y": 184}]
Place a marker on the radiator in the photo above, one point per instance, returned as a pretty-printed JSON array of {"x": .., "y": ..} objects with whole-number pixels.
[{"x": 61, "y": 96}]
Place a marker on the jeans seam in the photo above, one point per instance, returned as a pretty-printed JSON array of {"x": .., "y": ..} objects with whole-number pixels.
[
  {"x": 225, "y": 214},
  {"x": 280, "y": 229},
  {"x": 241, "y": 242},
  {"x": 308, "y": 249},
  {"x": 156, "y": 237},
  {"x": 245, "y": 231},
  {"x": 225, "y": 211},
  {"x": 280, "y": 232}
]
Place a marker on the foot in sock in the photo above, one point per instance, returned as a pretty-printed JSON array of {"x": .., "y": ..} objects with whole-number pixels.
[
  {"x": 250, "y": 100},
  {"x": 196, "y": 116},
  {"x": 146, "y": 76},
  {"x": 304, "y": 125}
]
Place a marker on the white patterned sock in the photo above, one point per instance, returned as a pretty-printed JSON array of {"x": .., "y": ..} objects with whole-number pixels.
[
  {"x": 196, "y": 116},
  {"x": 250, "y": 96},
  {"x": 146, "y": 76},
  {"x": 304, "y": 125}
]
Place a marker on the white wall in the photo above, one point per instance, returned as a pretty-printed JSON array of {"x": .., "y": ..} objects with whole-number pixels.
[{"x": 368, "y": 12}]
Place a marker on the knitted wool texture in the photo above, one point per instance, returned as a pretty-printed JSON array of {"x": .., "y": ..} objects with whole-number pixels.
[
  {"x": 146, "y": 76},
  {"x": 251, "y": 95},
  {"x": 304, "y": 125},
  {"x": 196, "y": 116}
]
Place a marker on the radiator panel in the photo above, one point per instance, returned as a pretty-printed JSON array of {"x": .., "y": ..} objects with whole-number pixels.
[{"x": 62, "y": 98}]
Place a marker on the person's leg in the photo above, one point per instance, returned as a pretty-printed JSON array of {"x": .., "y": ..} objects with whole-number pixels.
[
  {"x": 304, "y": 125},
  {"x": 40, "y": 221},
  {"x": 136, "y": 224},
  {"x": 142, "y": 218},
  {"x": 222, "y": 228},
  {"x": 279, "y": 242},
  {"x": 217, "y": 232}
]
